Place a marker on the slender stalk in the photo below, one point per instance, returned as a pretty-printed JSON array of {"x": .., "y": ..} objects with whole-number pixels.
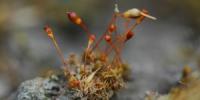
[
  {"x": 102, "y": 37},
  {"x": 59, "y": 51},
  {"x": 83, "y": 26}
]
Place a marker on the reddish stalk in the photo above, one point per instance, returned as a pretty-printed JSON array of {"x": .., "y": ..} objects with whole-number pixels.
[
  {"x": 103, "y": 35},
  {"x": 109, "y": 41},
  {"x": 121, "y": 39},
  {"x": 73, "y": 17}
]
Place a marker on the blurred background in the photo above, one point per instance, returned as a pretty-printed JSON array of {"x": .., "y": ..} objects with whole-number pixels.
[{"x": 156, "y": 55}]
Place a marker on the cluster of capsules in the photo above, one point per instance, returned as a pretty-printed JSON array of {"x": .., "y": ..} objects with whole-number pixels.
[
  {"x": 112, "y": 37},
  {"x": 101, "y": 68}
]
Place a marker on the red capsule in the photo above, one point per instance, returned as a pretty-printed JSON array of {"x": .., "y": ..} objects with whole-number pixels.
[
  {"x": 91, "y": 41},
  {"x": 129, "y": 35},
  {"x": 92, "y": 37},
  {"x": 73, "y": 17},
  {"x": 112, "y": 28},
  {"x": 49, "y": 31},
  {"x": 107, "y": 38}
]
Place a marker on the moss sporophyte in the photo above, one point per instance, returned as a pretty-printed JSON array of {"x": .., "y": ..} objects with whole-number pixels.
[{"x": 100, "y": 72}]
